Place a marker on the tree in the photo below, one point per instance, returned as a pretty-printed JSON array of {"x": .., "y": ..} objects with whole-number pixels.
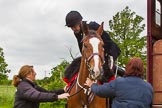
[
  {"x": 57, "y": 74},
  {"x": 55, "y": 81},
  {"x": 3, "y": 67},
  {"x": 125, "y": 30}
]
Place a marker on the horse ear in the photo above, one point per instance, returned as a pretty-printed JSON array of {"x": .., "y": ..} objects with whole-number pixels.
[
  {"x": 85, "y": 28},
  {"x": 100, "y": 29}
]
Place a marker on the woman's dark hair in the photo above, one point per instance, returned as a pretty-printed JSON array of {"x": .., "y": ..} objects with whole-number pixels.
[{"x": 135, "y": 67}]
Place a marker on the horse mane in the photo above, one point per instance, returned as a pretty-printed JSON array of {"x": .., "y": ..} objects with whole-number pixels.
[{"x": 72, "y": 68}]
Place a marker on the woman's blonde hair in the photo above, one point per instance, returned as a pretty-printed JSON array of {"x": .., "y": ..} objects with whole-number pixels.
[{"x": 23, "y": 72}]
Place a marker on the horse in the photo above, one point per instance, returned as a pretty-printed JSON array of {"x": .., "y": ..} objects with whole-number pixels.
[{"x": 91, "y": 66}]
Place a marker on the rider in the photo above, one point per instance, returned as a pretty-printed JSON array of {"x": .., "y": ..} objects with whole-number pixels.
[{"x": 111, "y": 52}]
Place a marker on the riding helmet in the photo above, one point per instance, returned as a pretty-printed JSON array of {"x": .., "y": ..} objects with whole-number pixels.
[{"x": 73, "y": 18}]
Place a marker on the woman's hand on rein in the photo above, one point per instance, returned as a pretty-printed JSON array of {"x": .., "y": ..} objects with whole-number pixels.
[
  {"x": 89, "y": 82},
  {"x": 63, "y": 96}
]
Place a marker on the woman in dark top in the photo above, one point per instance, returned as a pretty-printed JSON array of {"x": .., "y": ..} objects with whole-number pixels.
[
  {"x": 29, "y": 94},
  {"x": 130, "y": 91}
]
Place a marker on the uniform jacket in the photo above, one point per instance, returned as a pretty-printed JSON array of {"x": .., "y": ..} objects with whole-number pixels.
[
  {"x": 110, "y": 47},
  {"x": 29, "y": 95},
  {"x": 127, "y": 92}
]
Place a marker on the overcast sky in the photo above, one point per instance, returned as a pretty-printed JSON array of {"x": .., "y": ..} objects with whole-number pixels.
[{"x": 33, "y": 31}]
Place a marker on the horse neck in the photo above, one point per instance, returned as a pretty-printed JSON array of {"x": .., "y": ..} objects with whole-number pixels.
[{"x": 83, "y": 72}]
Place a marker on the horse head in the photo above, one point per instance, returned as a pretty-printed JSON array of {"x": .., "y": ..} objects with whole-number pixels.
[{"x": 93, "y": 51}]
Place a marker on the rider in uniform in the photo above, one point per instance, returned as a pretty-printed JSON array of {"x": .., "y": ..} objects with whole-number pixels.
[{"x": 111, "y": 50}]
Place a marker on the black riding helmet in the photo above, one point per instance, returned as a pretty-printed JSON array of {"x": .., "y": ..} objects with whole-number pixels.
[{"x": 73, "y": 18}]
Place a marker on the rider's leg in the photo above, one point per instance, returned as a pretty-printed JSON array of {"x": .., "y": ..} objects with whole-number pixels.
[
  {"x": 115, "y": 68},
  {"x": 107, "y": 68},
  {"x": 107, "y": 75}
]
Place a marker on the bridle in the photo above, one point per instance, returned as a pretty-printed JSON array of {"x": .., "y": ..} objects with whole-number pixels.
[
  {"x": 90, "y": 70},
  {"x": 88, "y": 59},
  {"x": 88, "y": 62}
]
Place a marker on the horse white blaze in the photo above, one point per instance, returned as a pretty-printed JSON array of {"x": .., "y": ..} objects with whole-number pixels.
[{"x": 95, "y": 42}]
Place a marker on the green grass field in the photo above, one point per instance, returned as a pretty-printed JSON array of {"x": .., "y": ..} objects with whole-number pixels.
[{"x": 7, "y": 98}]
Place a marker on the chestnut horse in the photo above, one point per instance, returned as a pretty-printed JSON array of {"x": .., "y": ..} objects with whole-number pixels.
[{"x": 91, "y": 66}]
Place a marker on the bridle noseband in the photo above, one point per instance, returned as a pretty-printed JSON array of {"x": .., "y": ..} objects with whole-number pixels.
[{"x": 89, "y": 59}]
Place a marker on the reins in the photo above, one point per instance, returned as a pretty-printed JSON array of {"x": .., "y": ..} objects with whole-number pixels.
[
  {"x": 77, "y": 92},
  {"x": 82, "y": 87}
]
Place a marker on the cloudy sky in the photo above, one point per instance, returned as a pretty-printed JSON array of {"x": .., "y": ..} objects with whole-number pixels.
[{"x": 33, "y": 31}]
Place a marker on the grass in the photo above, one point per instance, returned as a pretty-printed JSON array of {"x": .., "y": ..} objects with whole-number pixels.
[
  {"x": 51, "y": 105},
  {"x": 7, "y": 98}
]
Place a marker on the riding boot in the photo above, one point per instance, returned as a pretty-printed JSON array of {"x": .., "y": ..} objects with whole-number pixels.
[{"x": 120, "y": 71}]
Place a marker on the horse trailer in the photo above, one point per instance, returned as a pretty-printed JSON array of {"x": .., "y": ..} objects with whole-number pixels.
[{"x": 154, "y": 49}]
